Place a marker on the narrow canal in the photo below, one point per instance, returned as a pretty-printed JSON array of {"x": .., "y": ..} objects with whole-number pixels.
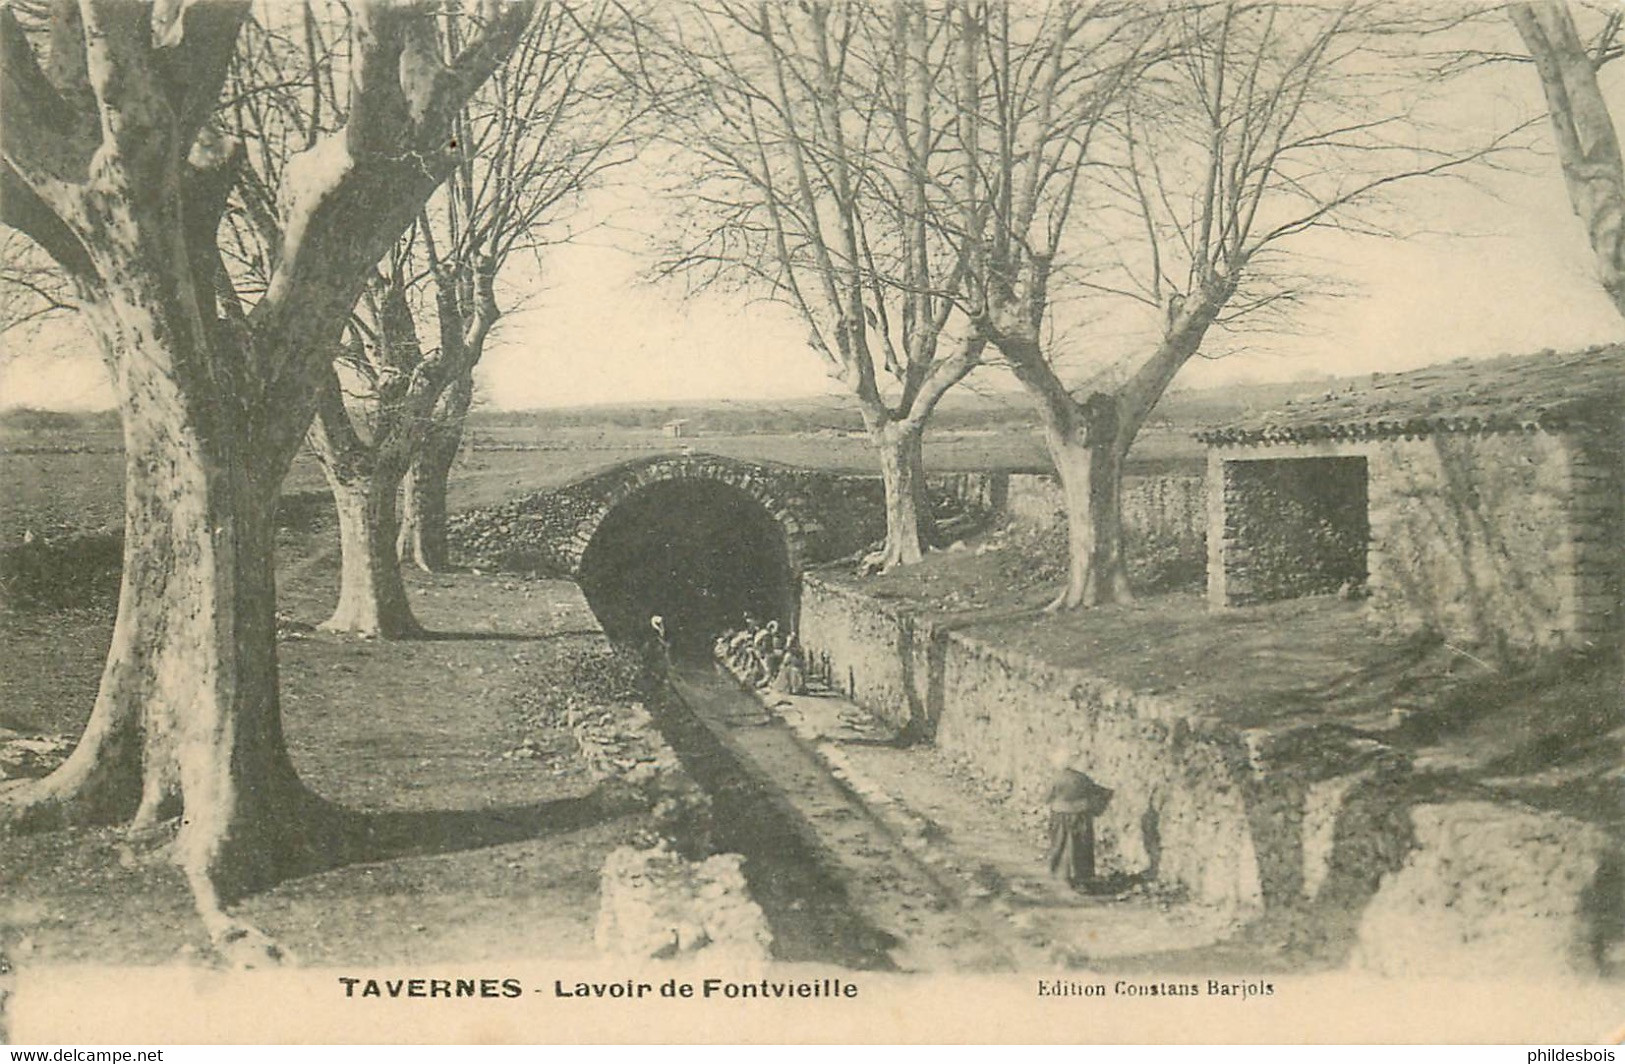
[{"x": 836, "y": 884}]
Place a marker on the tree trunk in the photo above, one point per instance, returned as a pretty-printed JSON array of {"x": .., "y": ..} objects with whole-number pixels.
[
  {"x": 1587, "y": 140},
  {"x": 109, "y": 171},
  {"x": 188, "y": 713},
  {"x": 423, "y": 516},
  {"x": 372, "y": 595},
  {"x": 908, "y": 508},
  {"x": 1089, "y": 466},
  {"x": 366, "y": 482}
]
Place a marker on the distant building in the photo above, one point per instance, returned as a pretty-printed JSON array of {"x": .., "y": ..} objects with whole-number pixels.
[
  {"x": 675, "y": 429},
  {"x": 1484, "y": 501}
]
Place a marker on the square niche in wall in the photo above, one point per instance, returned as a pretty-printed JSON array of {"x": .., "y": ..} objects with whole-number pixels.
[{"x": 1294, "y": 527}]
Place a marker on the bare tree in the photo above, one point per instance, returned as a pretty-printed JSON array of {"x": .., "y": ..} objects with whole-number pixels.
[
  {"x": 1249, "y": 124},
  {"x": 32, "y": 289},
  {"x": 284, "y": 93},
  {"x": 365, "y": 453},
  {"x": 111, "y": 165},
  {"x": 814, "y": 132},
  {"x": 549, "y": 126},
  {"x": 1582, "y": 125},
  {"x": 537, "y": 133},
  {"x": 1032, "y": 91}
]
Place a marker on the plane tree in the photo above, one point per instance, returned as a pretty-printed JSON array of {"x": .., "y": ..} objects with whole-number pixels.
[
  {"x": 524, "y": 147},
  {"x": 1583, "y": 125},
  {"x": 1222, "y": 134},
  {"x": 32, "y": 290},
  {"x": 552, "y": 125},
  {"x": 111, "y": 161},
  {"x": 809, "y": 138}
]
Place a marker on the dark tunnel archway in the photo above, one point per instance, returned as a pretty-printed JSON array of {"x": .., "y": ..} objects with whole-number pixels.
[{"x": 698, "y": 552}]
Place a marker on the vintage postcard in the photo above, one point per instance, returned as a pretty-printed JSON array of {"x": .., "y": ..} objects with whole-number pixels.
[{"x": 567, "y": 521}]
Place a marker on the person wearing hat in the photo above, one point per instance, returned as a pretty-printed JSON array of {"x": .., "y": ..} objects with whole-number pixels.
[{"x": 1074, "y": 802}]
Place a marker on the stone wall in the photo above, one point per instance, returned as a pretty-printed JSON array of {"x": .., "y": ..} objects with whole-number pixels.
[
  {"x": 1506, "y": 540},
  {"x": 1316, "y": 817},
  {"x": 1170, "y": 507},
  {"x": 1293, "y": 527},
  {"x": 1495, "y": 890},
  {"x": 1164, "y": 524},
  {"x": 1235, "y": 821},
  {"x": 1597, "y": 512},
  {"x": 1471, "y": 537},
  {"x": 871, "y": 653},
  {"x": 1179, "y": 814},
  {"x": 1033, "y": 502}
]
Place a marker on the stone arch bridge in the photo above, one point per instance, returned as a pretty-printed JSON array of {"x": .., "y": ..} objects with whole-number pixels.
[{"x": 699, "y": 539}]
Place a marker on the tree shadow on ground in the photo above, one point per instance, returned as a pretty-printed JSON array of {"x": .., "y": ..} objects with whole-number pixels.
[
  {"x": 418, "y": 833},
  {"x": 322, "y": 836}
]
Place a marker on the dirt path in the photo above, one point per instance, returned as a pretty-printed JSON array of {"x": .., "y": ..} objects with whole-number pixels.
[
  {"x": 993, "y": 857},
  {"x": 925, "y": 851},
  {"x": 922, "y": 923}
]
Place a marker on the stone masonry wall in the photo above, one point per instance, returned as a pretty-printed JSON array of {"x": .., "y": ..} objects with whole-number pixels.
[
  {"x": 870, "y": 653},
  {"x": 1509, "y": 540},
  {"x": 1180, "y": 814},
  {"x": 1317, "y": 816},
  {"x": 1166, "y": 508},
  {"x": 1597, "y": 479},
  {"x": 1493, "y": 889},
  {"x": 1164, "y": 524},
  {"x": 1293, "y": 528},
  {"x": 1471, "y": 537}
]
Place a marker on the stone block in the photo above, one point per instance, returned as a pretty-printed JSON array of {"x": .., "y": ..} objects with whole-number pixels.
[
  {"x": 655, "y": 904},
  {"x": 1498, "y": 892}
]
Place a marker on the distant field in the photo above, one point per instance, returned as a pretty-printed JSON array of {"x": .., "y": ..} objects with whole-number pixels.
[
  {"x": 62, "y": 473},
  {"x": 1017, "y": 448},
  {"x": 834, "y": 452},
  {"x": 55, "y": 493},
  {"x": 52, "y": 493}
]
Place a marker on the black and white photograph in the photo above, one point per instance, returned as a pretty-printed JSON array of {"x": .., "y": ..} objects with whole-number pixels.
[{"x": 812, "y": 521}]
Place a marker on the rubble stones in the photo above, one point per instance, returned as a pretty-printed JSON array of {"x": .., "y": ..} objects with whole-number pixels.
[
  {"x": 1494, "y": 889},
  {"x": 655, "y": 904}
]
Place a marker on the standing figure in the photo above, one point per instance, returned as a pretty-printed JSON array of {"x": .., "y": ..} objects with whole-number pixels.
[
  {"x": 739, "y": 652},
  {"x": 792, "y": 677},
  {"x": 662, "y": 639},
  {"x": 762, "y": 641},
  {"x": 771, "y": 666},
  {"x": 1074, "y": 801},
  {"x": 761, "y": 654}
]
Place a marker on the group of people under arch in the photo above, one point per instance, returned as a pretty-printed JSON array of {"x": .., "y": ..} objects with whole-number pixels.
[{"x": 764, "y": 657}]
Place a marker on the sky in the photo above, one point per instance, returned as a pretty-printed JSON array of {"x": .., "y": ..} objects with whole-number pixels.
[{"x": 595, "y": 331}]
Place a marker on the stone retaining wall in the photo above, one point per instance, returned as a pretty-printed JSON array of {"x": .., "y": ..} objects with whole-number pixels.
[
  {"x": 1169, "y": 508},
  {"x": 1496, "y": 891},
  {"x": 1181, "y": 813},
  {"x": 1253, "y": 821}
]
